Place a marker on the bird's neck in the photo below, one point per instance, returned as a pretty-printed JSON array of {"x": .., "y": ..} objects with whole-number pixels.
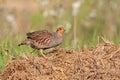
[{"x": 60, "y": 33}]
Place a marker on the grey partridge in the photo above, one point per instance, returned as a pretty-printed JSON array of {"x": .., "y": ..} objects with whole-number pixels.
[{"x": 44, "y": 39}]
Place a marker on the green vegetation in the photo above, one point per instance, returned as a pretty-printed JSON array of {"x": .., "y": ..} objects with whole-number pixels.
[{"x": 89, "y": 28}]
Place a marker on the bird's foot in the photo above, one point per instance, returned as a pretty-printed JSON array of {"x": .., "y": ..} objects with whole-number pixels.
[{"x": 43, "y": 55}]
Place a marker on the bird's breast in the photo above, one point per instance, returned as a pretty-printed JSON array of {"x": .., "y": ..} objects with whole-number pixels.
[{"x": 57, "y": 41}]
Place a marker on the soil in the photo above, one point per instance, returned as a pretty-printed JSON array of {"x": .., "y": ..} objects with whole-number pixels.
[{"x": 100, "y": 63}]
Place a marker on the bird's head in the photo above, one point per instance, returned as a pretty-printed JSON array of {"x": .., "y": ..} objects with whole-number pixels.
[{"x": 60, "y": 31}]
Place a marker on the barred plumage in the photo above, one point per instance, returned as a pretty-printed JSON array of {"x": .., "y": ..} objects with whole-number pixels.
[{"x": 44, "y": 39}]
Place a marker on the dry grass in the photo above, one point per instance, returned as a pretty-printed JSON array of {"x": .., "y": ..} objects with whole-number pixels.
[{"x": 99, "y": 63}]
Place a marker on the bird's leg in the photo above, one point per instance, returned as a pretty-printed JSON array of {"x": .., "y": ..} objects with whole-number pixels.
[
  {"x": 51, "y": 50},
  {"x": 41, "y": 51}
]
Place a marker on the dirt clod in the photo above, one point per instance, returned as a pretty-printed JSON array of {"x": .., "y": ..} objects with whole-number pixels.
[{"x": 100, "y": 63}]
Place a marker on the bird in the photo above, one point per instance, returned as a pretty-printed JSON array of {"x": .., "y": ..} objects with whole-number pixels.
[{"x": 44, "y": 39}]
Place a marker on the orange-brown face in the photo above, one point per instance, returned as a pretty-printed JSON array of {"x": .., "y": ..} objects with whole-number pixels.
[{"x": 60, "y": 31}]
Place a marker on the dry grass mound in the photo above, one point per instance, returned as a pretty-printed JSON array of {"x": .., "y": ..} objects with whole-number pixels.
[{"x": 100, "y": 63}]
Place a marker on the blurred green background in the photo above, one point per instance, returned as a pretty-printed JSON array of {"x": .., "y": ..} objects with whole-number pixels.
[{"x": 84, "y": 21}]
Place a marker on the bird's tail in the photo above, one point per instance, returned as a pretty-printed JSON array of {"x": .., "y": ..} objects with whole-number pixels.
[{"x": 25, "y": 42}]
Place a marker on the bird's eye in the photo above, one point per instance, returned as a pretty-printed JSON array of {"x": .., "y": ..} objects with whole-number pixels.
[{"x": 60, "y": 28}]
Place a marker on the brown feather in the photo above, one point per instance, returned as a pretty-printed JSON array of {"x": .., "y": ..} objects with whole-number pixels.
[{"x": 44, "y": 39}]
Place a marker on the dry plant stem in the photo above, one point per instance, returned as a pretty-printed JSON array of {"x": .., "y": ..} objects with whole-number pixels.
[
  {"x": 100, "y": 63},
  {"x": 105, "y": 40},
  {"x": 74, "y": 32},
  {"x": 110, "y": 24}
]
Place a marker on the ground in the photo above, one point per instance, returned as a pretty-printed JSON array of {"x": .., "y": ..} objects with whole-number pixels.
[{"x": 99, "y": 63}]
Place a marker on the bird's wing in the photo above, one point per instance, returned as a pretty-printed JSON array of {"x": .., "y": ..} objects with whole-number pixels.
[
  {"x": 33, "y": 35},
  {"x": 42, "y": 37}
]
